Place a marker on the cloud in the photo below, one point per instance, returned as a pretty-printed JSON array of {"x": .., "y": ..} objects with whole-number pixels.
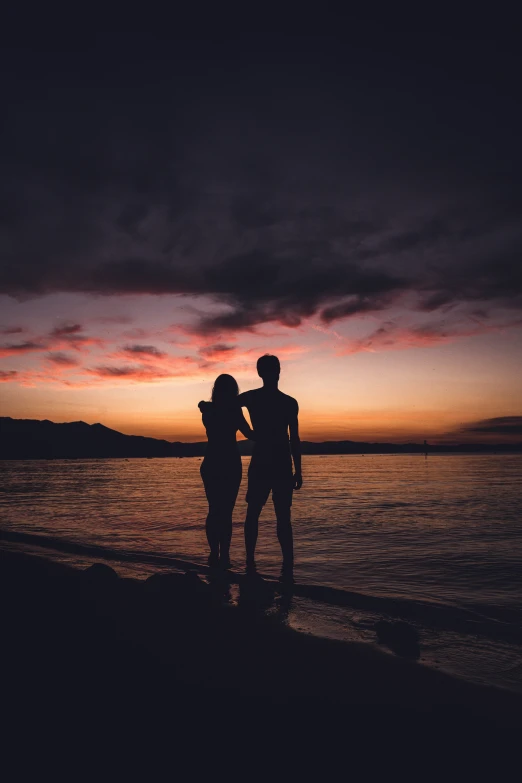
[
  {"x": 279, "y": 203},
  {"x": 395, "y": 336},
  {"x": 151, "y": 367},
  {"x": 140, "y": 373},
  {"x": 13, "y": 349},
  {"x": 70, "y": 335},
  {"x": 61, "y": 359},
  {"x": 106, "y": 371},
  {"x": 65, "y": 336},
  {"x": 145, "y": 350},
  {"x": 8, "y": 375},
  {"x": 218, "y": 351},
  {"x": 356, "y": 305},
  {"x": 11, "y": 330},
  {"x": 66, "y": 330},
  {"x": 501, "y": 425},
  {"x": 291, "y": 271},
  {"x": 390, "y": 336}
]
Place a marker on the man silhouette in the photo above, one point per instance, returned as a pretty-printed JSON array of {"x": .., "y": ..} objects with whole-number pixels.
[{"x": 274, "y": 419}]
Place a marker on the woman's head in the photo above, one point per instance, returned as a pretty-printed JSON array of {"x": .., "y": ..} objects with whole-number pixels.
[{"x": 225, "y": 389}]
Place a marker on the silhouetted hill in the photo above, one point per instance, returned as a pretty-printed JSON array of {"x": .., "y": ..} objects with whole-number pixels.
[{"x": 33, "y": 439}]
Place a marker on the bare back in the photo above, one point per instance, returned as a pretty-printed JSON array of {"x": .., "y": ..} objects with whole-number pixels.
[{"x": 272, "y": 414}]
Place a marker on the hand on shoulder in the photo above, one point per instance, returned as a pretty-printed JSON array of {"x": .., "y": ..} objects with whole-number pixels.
[{"x": 202, "y": 404}]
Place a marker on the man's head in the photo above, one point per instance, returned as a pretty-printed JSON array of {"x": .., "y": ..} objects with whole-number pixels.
[{"x": 268, "y": 368}]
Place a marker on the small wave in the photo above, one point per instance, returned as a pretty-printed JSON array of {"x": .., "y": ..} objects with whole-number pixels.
[{"x": 94, "y": 551}]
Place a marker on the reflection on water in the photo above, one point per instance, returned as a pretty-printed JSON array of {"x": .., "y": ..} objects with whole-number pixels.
[{"x": 445, "y": 528}]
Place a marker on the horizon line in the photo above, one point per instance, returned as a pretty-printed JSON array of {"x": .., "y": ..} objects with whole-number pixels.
[{"x": 437, "y": 443}]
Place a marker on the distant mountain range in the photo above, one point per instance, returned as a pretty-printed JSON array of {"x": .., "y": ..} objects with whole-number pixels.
[{"x": 33, "y": 439}]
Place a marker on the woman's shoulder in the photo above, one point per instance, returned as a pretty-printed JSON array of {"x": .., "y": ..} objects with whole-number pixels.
[{"x": 204, "y": 406}]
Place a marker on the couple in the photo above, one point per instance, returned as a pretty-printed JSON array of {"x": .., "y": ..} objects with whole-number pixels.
[{"x": 276, "y": 442}]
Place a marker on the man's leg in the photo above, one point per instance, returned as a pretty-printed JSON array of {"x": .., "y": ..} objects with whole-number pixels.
[
  {"x": 285, "y": 536},
  {"x": 251, "y": 529},
  {"x": 282, "y": 497}
]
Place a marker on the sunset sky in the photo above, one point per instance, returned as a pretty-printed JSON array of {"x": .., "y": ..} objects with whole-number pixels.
[{"x": 173, "y": 208}]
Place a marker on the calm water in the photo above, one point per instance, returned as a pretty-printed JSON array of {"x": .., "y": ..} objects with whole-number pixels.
[{"x": 439, "y": 539}]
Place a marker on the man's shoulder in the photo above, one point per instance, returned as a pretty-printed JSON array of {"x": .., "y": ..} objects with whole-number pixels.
[
  {"x": 248, "y": 396},
  {"x": 290, "y": 402}
]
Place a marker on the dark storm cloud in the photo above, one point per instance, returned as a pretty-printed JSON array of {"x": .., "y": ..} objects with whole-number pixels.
[
  {"x": 501, "y": 425},
  {"x": 262, "y": 288},
  {"x": 313, "y": 179}
]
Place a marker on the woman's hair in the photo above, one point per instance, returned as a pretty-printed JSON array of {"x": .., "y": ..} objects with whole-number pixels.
[{"x": 225, "y": 389}]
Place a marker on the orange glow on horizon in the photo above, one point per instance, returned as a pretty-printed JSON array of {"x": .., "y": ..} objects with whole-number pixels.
[{"x": 394, "y": 383}]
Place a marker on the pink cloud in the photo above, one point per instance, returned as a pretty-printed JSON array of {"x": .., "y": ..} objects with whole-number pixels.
[
  {"x": 67, "y": 336},
  {"x": 62, "y": 359},
  {"x": 70, "y": 335},
  {"x": 392, "y": 337},
  {"x": 140, "y": 372},
  {"x": 8, "y": 375},
  {"x": 15, "y": 349},
  {"x": 143, "y": 350},
  {"x": 60, "y": 351},
  {"x": 218, "y": 352},
  {"x": 326, "y": 330}
]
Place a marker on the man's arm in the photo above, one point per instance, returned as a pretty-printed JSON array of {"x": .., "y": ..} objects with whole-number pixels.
[
  {"x": 243, "y": 399},
  {"x": 244, "y": 427},
  {"x": 295, "y": 446}
]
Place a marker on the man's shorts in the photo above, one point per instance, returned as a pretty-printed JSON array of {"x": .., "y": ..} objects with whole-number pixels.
[{"x": 261, "y": 483}]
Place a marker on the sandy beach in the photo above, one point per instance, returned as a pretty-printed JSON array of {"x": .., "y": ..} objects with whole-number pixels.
[{"x": 89, "y": 645}]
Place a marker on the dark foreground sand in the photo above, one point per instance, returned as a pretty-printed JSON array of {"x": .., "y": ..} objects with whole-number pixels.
[{"x": 87, "y": 648}]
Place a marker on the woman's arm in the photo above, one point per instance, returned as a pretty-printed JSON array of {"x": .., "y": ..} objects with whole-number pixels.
[
  {"x": 205, "y": 408},
  {"x": 244, "y": 427}
]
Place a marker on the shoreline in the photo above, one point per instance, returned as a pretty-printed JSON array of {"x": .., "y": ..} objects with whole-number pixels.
[
  {"x": 463, "y": 620},
  {"x": 175, "y": 627}
]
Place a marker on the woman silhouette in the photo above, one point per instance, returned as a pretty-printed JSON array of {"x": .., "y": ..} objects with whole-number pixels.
[{"x": 221, "y": 470}]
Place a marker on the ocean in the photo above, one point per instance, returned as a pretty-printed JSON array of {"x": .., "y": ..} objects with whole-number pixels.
[{"x": 435, "y": 541}]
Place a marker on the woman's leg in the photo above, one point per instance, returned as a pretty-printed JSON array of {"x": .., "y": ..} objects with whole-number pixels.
[
  {"x": 225, "y": 537},
  {"x": 212, "y": 522},
  {"x": 213, "y": 533},
  {"x": 230, "y": 491}
]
